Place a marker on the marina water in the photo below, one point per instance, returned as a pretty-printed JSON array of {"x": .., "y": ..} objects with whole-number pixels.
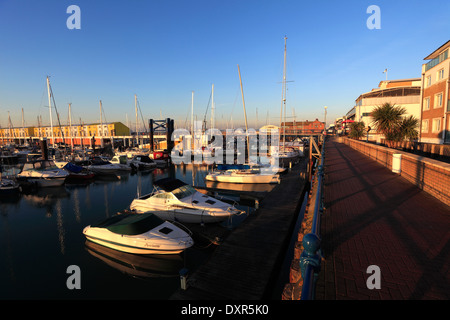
[{"x": 41, "y": 236}]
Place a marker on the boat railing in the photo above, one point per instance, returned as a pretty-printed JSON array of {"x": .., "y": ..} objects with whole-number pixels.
[
  {"x": 181, "y": 226},
  {"x": 311, "y": 256}
]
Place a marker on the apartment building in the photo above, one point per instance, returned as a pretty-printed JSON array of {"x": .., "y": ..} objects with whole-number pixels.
[
  {"x": 435, "y": 108},
  {"x": 404, "y": 93},
  {"x": 78, "y": 132}
]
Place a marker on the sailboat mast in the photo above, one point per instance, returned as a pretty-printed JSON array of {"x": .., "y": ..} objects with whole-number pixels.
[
  {"x": 245, "y": 113},
  {"x": 70, "y": 127},
  {"x": 135, "y": 108},
  {"x": 23, "y": 128},
  {"x": 212, "y": 110},
  {"x": 50, "y": 109},
  {"x": 284, "y": 93},
  {"x": 192, "y": 121}
]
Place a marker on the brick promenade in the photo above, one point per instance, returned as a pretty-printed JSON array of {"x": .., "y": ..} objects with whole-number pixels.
[{"x": 376, "y": 217}]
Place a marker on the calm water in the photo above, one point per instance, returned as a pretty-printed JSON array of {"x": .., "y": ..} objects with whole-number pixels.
[{"x": 41, "y": 236}]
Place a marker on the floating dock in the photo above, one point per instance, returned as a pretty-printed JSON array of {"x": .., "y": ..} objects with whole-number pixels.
[{"x": 246, "y": 265}]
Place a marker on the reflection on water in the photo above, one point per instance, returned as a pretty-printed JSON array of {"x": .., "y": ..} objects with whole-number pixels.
[
  {"x": 139, "y": 266},
  {"x": 41, "y": 235}
]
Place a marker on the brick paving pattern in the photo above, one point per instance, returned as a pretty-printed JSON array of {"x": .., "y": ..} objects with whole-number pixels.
[{"x": 375, "y": 217}]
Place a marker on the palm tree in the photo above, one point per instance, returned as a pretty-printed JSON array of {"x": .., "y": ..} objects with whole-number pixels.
[
  {"x": 357, "y": 130},
  {"x": 387, "y": 120},
  {"x": 409, "y": 127}
]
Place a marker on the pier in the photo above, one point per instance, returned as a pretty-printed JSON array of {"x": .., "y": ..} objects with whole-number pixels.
[
  {"x": 245, "y": 266},
  {"x": 375, "y": 217}
]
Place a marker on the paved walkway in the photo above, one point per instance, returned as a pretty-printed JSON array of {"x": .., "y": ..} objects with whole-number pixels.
[{"x": 376, "y": 217}]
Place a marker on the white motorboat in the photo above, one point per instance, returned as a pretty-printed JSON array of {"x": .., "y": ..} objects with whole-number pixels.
[
  {"x": 287, "y": 155},
  {"x": 122, "y": 161},
  {"x": 139, "y": 234},
  {"x": 252, "y": 175},
  {"x": 101, "y": 166},
  {"x": 142, "y": 162},
  {"x": 43, "y": 172},
  {"x": 8, "y": 187},
  {"x": 175, "y": 200}
]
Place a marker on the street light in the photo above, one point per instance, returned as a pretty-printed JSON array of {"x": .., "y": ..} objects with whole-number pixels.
[{"x": 325, "y": 120}]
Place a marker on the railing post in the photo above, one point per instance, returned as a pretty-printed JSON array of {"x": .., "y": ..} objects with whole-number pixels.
[{"x": 310, "y": 259}]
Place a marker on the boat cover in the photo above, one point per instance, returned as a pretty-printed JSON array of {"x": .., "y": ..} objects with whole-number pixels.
[
  {"x": 73, "y": 167},
  {"x": 169, "y": 184},
  {"x": 130, "y": 224},
  {"x": 232, "y": 166}
]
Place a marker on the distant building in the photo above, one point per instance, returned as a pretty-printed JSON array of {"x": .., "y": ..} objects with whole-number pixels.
[
  {"x": 435, "y": 108},
  {"x": 402, "y": 92},
  {"x": 85, "y": 132},
  {"x": 302, "y": 127}
]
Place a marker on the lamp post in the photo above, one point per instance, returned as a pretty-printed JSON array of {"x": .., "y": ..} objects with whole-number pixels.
[{"x": 325, "y": 120}]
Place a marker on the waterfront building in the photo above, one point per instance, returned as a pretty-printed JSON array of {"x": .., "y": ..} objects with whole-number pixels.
[
  {"x": 302, "y": 127},
  {"x": 402, "y": 92},
  {"x": 85, "y": 132},
  {"x": 435, "y": 108}
]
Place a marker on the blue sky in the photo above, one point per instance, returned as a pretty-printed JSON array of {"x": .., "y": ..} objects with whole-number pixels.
[{"x": 163, "y": 50}]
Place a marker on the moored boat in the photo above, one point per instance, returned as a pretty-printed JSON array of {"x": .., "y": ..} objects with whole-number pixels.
[
  {"x": 139, "y": 234},
  {"x": 142, "y": 162},
  {"x": 8, "y": 187},
  {"x": 173, "y": 199},
  {"x": 122, "y": 161},
  {"x": 78, "y": 172},
  {"x": 101, "y": 166},
  {"x": 243, "y": 176},
  {"x": 43, "y": 172}
]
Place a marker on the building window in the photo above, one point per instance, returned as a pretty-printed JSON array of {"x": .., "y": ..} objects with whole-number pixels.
[
  {"x": 436, "y": 125},
  {"x": 438, "y": 100},
  {"x": 426, "y": 105},
  {"x": 425, "y": 126},
  {"x": 440, "y": 74},
  {"x": 428, "y": 81}
]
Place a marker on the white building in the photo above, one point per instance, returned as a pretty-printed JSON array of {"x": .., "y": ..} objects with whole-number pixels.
[{"x": 403, "y": 92}]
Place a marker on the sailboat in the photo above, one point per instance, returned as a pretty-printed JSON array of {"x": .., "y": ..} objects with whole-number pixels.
[
  {"x": 285, "y": 154},
  {"x": 250, "y": 173}
]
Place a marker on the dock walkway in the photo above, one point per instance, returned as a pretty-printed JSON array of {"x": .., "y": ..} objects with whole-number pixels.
[
  {"x": 244, "y": 266},
  {"x": 375, "y": 217}
]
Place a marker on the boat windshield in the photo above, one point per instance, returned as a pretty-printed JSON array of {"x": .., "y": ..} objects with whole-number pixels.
[
  {"x": 40, "y": 165},
  {"x": 184, "y": 191}
]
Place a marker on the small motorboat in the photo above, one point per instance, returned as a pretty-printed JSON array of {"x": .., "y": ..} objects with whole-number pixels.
[
  {"x": 253, "y": 175},
  {"x": 173, "y": 199},
  {"x": 101, "y": 166},
  {"x": 78, "y": 172},
  {"x": 139, "y": 234},
  {"x": 142, "y": 162},
  {"x": 122, "y": 161},
  {"x": 43, "y": 172},
  {"x": 8, "y": 187}
]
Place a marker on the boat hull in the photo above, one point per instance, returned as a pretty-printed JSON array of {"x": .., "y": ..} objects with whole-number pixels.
[
  {"x": 131, "y": 249},
  {"x": 162, "y": 238},
  {"x": 183, "y": 216},
  {"x": 44, "y": 182},
  {"x": 242, "y": 178}
]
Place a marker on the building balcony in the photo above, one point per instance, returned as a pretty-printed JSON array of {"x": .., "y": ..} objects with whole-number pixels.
[{"x": 443, "y": 56}]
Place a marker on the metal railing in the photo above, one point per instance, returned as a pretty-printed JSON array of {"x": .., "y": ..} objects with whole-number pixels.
[{"x": 310, "y": 257}]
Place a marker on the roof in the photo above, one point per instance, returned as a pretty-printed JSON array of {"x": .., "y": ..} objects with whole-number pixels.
[
  {"x": 438, "y": 51},
  {"x": 169, "y": 184},
  {"x": 130, "y": 224}
]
